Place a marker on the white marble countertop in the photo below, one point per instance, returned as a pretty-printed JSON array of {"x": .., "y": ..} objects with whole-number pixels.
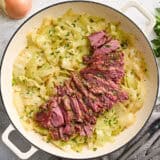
[{"x": 8, "y": 27}]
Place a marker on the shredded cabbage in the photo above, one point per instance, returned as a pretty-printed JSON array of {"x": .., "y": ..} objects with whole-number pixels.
[{"x": 56, "y": 49}]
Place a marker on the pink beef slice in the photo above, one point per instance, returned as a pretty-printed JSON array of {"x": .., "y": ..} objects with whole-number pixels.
[
  {"x": 43, "y": 118},
  {"x": 113, "y": 73},
  {"x": 93, "y": 103},
  {"x": 79, "y": 129},
  {"x": 68, "y": 130},
  {"x": 61, "y": 134},
  {"x": 79, "y": 85},
  {"x": 111, "y": 59},
  {"x": 51, "y": 118},
  {"x": 122, "y": 95},
  {"x": 66, "y": 110},
  {"x": 113, "y": 45},
  {"x": 61, "y": 90},
  {"x": 55, "y": 114},
  {"x": 106, "y": 101},
  {"x": 76, "y": 109},
  {"x": 55, "y": 134},
  {"x": 57, "y": 117},
  {"x": 100, "y": 82},
  {"x": 97, "y": 39},
  {"x": 109, "y": 47},
  {"x": 88, "y": 130}
]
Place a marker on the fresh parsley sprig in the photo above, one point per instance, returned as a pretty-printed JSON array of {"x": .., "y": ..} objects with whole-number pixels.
[{"x": 156, "y": 42}]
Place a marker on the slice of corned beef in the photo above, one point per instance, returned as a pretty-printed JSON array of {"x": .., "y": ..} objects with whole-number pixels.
[
  {"x": 88, "y": 115},
  {"x": 76, "y": 109},
  {"x": 112, "y": 59},
  {"x": 63, "y": 136},
  {"x": 93, "y": 103},
  {"x": 82, "y": 105},
  {"x": 51, "y": 118},
  {"x": 97, "y": 39},
  {"x": 79, "y": 129},
  {"x": 54, "y": 114},
  {"x": 113, "y": 73},
  {"x": 109, "y": 47},
  {"x": 113, "y": 45},
  {"x": 79, "y": 98},
  {"x": 69, "y": 90},
  {"x": 122, "y": 95},
  {"x": 67, "y": 110},
  {"x": 90, "y": 118},
  {"x": 68, "y": 130},
  {"x": 66, "y": 103},
  {"x": 55, "y": 134},
  {"x": 60, "y": 90},
  {"x": 42, "y": 118},
  {"x": 79, "y": 85},
  {"x": 108, "y": 87},
  {"x": 98, "y": 81},
  {"x": 107, "y": 103},
  {"x": 88, "y": 130},
  {"x": 56, "y": 117}
]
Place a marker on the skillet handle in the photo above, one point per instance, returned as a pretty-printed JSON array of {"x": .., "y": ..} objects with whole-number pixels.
[
  {"x": 149, "y": 24},
  {"x": 20, "y": 154},
  {"x": 139, "y": 6}
]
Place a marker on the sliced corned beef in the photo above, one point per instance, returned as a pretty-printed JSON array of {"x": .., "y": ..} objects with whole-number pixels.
[
  {"x": 56, "y": 117},
  {"x": 123, "y": 96},
  {"x": 55, "y": 134},
  {"x": 76, "y": 109},
  {"x": 86, "y": 95},
  {"x": 98, "y": 81},
  {"x": 62, "y": 135},
  {"x": 97, "y": 39},
  {"x": 88, "y": 130},
  {"x": 79, "y": 129},
  {"x": 60, "y": 90},
  {"x": 67, "y": 110},
  {"x": 68, "y": 130},
  {"x": 79, "y": 85},
  {"x": 113, "y": 73},
  {"x": 42, "y": 118},
  {"x": 93, "y": 103}
]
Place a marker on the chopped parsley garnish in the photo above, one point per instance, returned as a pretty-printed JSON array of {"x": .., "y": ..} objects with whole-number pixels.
[
  {"x": 13, "y": 82},
  {"x": 145, "y": 70},
  {"x": 124, "y": 44},
  {"x": 67, "y": 34},
  {"x": 91, "y": 20},
  {"x": 67, "y": 45},
  {"x": 62, "y": 27},
  {"x": 73, "y": 24}
]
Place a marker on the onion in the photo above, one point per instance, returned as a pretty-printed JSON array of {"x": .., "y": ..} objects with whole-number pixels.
[{"x": 16, "y": 9}]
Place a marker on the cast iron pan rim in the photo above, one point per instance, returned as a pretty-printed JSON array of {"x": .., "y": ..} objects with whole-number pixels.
[{"x": 75, "y": 1}]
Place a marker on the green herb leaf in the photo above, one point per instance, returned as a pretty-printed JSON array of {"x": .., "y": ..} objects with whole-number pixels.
[
  {"x": 157, "y": 52},
  {"x": 156, "y": 42}
]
